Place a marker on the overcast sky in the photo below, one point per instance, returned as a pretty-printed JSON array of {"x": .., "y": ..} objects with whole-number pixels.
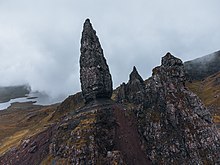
[{"x": 40, "y": 40}]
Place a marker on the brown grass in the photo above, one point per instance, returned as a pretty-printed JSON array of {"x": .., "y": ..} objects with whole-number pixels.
[
  {"x": 17, "y": 123},
  {"x": 12, "y": 140},
  {"x": 216, "y": 119},
  {"x": 208, "y": 90}
]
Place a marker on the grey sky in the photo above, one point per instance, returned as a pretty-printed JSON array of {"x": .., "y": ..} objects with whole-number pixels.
[{"x": 39, "y": 40}]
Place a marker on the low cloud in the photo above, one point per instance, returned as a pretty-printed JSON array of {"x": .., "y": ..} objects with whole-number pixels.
[{"x": 40, "y": 40}]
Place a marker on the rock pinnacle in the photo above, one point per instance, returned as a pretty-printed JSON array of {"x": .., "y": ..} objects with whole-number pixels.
[
  {"x": 96, "y": 81},
  {"x": 135, "y": 75}
]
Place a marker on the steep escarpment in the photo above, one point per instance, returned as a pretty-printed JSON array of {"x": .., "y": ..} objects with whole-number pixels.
[
  {"x": 203, "y": 67},
  {"x": 175, "y": 126}
]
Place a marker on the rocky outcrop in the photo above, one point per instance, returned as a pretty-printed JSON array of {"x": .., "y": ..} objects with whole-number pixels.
[
  {"x": 176, "y": 127},
  {"x": 85, "y": 135},
  {"x": 133, "y": 91},
  {"x": 96, "y": 81},
  {"x": 98, "y": 132}
]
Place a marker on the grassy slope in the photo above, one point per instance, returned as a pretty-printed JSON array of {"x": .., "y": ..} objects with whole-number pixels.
[
  {"x": 21, "y": 121},
  {"x": 209, "y": 92}
]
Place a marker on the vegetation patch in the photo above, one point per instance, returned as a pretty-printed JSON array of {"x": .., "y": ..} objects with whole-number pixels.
[
  {"x": 216, "y": 119},
  {"x": 12, "y": 140}
]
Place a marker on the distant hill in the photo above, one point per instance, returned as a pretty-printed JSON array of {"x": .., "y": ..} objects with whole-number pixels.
[
  {"x": 12, "y": 92},
  {"x": 203, "y": 67}
]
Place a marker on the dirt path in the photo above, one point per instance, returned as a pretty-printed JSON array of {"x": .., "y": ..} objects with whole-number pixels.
[{"x": 128, "y": 140}]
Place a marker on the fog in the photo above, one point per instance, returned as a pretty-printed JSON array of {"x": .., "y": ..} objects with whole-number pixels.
[{"x": 40, "y": 40}]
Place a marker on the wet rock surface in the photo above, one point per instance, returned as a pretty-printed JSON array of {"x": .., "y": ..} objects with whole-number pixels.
[
  {"x": 96, "y": 81},
  {"x": 175, "y": 126}
]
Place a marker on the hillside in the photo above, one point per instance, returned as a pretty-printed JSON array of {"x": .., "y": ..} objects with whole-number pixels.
[
  {"x": 208, "y": 89},
  {"x": 12, "y": 92},
  {"x": 203, "y": 67},
  {"x": 209, "y": 92}
]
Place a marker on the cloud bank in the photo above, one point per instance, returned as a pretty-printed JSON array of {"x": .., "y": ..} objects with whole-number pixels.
[{"x": 40, "y": 40}]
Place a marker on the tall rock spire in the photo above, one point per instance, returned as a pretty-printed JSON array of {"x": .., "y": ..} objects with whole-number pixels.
[{"x": 96, "y": 81}]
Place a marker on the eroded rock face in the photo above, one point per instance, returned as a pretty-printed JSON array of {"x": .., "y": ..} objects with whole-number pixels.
[
  {"x": 176, "y": 127},
  {"x": 133, "y": 91},
  {"x": 96, "y": 81}
]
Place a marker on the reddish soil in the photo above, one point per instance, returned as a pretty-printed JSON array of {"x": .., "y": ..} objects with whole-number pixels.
[
  {"x": 128, "y": 139},
  {"x": 32, "y": 151}
]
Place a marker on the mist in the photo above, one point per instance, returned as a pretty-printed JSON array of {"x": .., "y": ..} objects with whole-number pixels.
[{"x": 40, "y": 40}]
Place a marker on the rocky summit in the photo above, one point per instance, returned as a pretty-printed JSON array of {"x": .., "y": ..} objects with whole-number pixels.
[
  {"x": 175, "y": 126},
  {"x": 96, "y": 81}
]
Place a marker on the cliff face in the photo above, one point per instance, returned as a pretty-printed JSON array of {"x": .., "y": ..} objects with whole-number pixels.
[
  {"x": 203, "y": 67},
  {"x": 175, "y": 126}
]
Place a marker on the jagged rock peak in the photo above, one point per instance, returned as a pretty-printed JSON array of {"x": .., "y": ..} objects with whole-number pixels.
[
  {"x": 172, "y": 115},
  {"x": 87, "y": 23},
  {"x": 171, "y": 68},
  {"x": 96, "y": 81},
  {"x": 133, "y": 91},
  {"x": 170, "y": 60},
  {"x": 135, "y": 75}
]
